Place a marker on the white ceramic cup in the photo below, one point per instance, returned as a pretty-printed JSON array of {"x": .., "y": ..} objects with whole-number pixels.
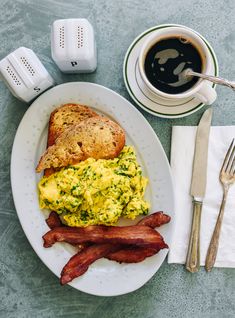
[{"x": 202, "y": 90}]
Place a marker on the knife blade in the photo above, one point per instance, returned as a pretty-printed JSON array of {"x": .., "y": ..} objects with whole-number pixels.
[{"x": 198, "y": 189}]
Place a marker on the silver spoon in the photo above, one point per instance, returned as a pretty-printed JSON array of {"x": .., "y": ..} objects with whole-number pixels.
[{"x": 217, "y": 80}]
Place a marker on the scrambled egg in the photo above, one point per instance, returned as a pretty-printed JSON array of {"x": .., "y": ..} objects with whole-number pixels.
[{"x": 96, "y": 191}]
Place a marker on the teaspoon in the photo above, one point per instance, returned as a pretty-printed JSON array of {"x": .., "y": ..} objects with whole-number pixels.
[{"x": 217, "y": 80}]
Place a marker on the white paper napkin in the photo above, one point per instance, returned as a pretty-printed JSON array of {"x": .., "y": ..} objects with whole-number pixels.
[{"x": 182, "y": 151}]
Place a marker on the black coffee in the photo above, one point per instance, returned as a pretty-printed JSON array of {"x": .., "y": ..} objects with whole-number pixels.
[{"x": 165, "y": 62}]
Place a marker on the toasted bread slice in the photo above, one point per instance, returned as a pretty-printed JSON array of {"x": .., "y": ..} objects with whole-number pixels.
[
  {"x": 65, "y": 116},
  {"x": 62, "y": 118},
  {"x": 96, "y": 137}
]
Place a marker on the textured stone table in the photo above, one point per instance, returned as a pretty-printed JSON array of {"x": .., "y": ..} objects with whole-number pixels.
[{"x": 27, "y": 287}]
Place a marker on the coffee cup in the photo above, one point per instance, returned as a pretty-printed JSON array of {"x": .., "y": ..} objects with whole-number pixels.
[{"x": 199, "y": 88}]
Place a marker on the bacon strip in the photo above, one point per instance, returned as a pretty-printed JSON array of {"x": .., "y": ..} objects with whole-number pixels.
[
  {"x": 53, "y": 221},
  {"x": 155, "y": 219},
  {"x": 128, "y": 254},
  {"x": 79, "y": 263},
  {"x": 135, "y": 254},
  {"x": 132, "y": 254},
  {"x": 139, "y": 235},
  {"x": 86, "y": 255}
]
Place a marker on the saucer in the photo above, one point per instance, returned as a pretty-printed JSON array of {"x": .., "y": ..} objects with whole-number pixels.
[{"x": 143, "y": 97}]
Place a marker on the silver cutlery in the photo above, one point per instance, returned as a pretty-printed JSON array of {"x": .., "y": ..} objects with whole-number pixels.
[
  {"x": 198, "y": 188},
  {"x": 215, "y": 79},
  {"x": 227, "y": 178}
]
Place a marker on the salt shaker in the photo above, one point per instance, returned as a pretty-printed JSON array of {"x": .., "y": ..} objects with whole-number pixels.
[{"x": 24, "y": 74}]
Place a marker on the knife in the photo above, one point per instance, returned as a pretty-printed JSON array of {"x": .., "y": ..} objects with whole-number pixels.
[{"x": 198, "y": 189}]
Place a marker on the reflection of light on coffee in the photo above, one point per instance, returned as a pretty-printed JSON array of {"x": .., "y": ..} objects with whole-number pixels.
[
  {"x": 179, "y": 68},
  {"x": 165, "y": 55},
  {"x": 182, "y": 80}
]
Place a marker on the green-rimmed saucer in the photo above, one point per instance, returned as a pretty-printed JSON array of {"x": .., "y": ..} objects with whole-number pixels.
[{"x": 149, "y": 101}]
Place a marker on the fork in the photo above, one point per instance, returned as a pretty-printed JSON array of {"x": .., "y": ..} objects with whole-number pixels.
[{"x": 227, "y": 178}]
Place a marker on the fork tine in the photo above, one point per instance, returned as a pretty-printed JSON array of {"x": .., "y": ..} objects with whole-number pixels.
[
  {"x": 232, "y": 170},
  {"x": 230, "y": 161},
  {"x": 223, "y": 168}
]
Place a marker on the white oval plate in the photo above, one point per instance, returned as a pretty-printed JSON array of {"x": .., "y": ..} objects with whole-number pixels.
[{"x": 104, "y": 278}]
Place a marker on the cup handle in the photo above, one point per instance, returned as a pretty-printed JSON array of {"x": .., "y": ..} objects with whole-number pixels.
[{"x": 207, "y": 94}]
